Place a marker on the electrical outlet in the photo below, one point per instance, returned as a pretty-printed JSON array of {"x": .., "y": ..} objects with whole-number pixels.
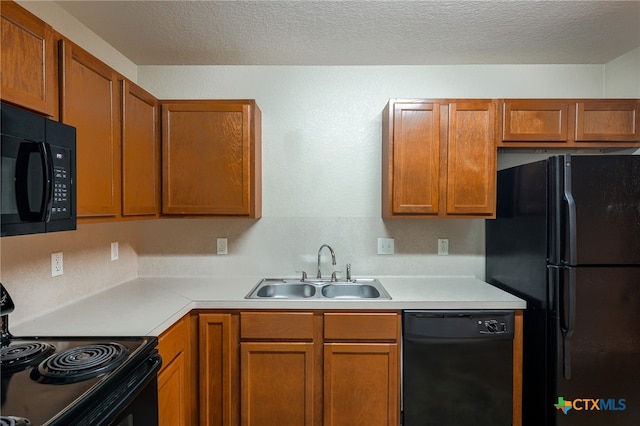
[
  {"x": 443, "y": 247},
  {"x": 222, "y": 246},
  {"x": 56, "y": 264},
  {"x": 114, "y": 251},
  {"x": 386, "y": 246}
]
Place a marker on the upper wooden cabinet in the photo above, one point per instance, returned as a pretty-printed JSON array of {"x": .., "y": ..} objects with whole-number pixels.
[
  {"x": 28, "y": 59},
  {"x": 211, "y": 158},
  {"x": 439, "y": 158},
  {"x": 605, "y": 120},
  {"x": 534, "y": 120},
  {"x": 90, "y": 101},
  {"x": 565, "y": 123},
  {"x": 140, "y": 152}
]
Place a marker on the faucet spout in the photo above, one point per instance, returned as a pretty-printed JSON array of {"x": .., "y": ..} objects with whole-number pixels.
[{"x": 333, "y": 258}]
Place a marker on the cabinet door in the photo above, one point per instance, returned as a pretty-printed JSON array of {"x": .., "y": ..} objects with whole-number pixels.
[
  {"x": 140, "y": 151},
  {"x": 601, "y": 120},
  {"x": 174, "y": 396},
  {"x": 415, "y": 159},
  {"x": 471, "y": 159},
  {"x": 28, "y": 60},
  {"x": 218, "y": 369},
  {"x": 91, "y": 103},
  {"x": 535, "y": 120},
  {"x": 277, "y": 382},
  {"x": 361, "y": 384},
  {"x": 211, "y": 158}
]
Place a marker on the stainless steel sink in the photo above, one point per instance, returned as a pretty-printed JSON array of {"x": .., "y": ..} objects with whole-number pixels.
[
  {"x": 291, "y": 288},
  {"x": 350, "y": 291},
  {"x": 286, "y": 291}
]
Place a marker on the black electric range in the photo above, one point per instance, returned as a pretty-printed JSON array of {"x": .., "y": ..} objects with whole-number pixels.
[{"x": 63, "y": 381}]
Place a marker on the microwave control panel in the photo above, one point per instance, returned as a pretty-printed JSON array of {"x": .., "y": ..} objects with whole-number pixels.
[{"x": 62, "y": 183}]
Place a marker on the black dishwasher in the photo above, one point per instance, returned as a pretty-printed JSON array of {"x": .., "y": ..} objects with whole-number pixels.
[{"x": 457, "y": 368}]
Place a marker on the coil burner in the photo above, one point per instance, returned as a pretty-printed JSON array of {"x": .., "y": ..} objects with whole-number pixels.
[
  {"x": 80, "y": 363},
  {"x": 22, "y": 356},
  {"x": 14, "y": 421}
]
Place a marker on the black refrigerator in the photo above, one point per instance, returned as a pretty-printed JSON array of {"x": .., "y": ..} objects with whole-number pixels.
[{"x": 567, "y": 240}]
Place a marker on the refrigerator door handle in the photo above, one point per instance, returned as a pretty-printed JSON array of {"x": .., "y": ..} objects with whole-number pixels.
[
  {"x": 568, "y": 318},
  {"x": 570, "y": 223}
]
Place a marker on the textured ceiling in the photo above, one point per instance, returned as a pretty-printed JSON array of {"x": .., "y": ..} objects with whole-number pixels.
[{"x": 353, "y": 32}]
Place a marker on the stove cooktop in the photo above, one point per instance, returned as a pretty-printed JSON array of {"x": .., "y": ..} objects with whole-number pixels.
[{"x": 44, "y": 378}]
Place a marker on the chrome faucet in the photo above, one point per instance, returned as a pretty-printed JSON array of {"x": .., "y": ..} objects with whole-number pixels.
[{"x": 333, "y": 257}]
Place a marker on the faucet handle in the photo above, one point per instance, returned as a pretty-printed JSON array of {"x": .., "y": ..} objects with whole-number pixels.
[
  {"x": 334, "y": 276},
  {"x": 304, "y": 275}
]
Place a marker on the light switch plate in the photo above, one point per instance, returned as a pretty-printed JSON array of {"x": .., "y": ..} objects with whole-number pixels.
[{"x": 386, "y": 246}]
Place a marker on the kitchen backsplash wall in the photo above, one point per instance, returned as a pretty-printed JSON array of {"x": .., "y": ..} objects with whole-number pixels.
[
  {"x": 87, "y": 266},
  {"x": 279, "y": 246}
]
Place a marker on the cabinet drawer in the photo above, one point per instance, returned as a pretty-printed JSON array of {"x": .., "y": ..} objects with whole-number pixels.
[
  {"x": 276, "y": 325},
  {"x": 361, "y": 326}
]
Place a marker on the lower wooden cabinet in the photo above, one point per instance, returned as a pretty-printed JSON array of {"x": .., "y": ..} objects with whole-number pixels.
[
  {"x": 361, "y": 384},
  {"x": 361, "y": 368},
  {"x": 218, "y": 369},
  {"x": 174, "y": 380},
  {"x": 312, "y": 368},
  {"x": 308, "y": 368},
  {"x": 278, "y": 383}
]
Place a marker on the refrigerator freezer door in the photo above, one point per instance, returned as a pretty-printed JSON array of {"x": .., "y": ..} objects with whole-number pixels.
[
  {"x": 600, "y": 306},
  {"x": 597, "y": 201}
]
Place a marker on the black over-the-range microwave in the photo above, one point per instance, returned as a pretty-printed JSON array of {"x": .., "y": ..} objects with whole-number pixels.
[{"x": 37, "y": 175}]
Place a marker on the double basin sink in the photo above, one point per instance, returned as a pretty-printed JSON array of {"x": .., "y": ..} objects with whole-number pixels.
[{"x": 291, "y": 288}]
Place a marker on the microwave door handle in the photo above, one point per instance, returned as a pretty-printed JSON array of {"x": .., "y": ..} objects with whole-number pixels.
[
  {"x": 22, "y": 181},
  {"x": 47, "y": 194}
]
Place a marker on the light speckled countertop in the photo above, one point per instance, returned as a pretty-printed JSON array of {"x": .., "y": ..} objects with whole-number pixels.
[{"x": 150, "y": 305}]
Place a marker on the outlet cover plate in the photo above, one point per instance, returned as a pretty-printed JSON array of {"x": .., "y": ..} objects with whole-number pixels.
[{"x": 57, "y": 265}]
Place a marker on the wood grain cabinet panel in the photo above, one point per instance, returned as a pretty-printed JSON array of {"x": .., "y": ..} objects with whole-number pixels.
[
  {"x": 361, "y": 384},
  {"x": 411, "y": 167},
  {"x": 535, "y": 120},
  {"x": 219, "y": 370},
  {"x": 211, "y": 155},
  {"x": 439, "y": 158},
  {"x": 603, "y": 120},
  {"x": 361, "y": 373},
  {"x": 278, "y": 383},
  {"x": 471, "y": 159},
  {"x": 28, "y": 60},
  {"x": 174, "y": 395},
  {"x": 570, "y": 123},
  {"x": 140, "y": 151},
  {"x": 91, "y": 103}
]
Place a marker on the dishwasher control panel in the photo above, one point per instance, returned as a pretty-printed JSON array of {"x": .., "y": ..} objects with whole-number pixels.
[
  {"x": 464, "y": 324},
  {"x": 492, "y": 326}
]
